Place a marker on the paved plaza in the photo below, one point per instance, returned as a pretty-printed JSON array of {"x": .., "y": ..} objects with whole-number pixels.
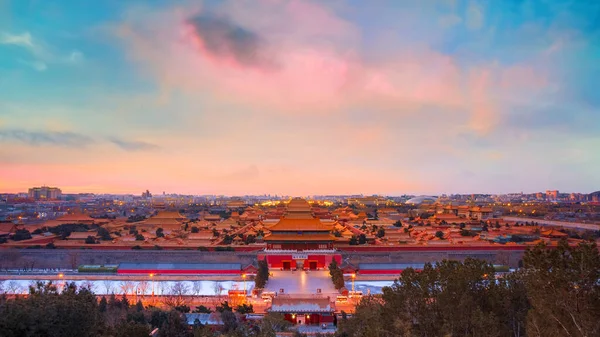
[{"x": 301, "y": 282}]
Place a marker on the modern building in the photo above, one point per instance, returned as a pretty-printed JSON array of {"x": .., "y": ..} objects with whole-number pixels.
[
  {"x": 44, "y": 193},
  {"x": 552, "y": 195}
]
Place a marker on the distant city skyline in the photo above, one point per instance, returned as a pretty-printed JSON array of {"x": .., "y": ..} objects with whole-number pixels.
[
  {"x": 160, "y": 193},
  {"x": 299, "y": 97}
]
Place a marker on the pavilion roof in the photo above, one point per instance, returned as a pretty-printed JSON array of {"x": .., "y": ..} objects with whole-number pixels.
[
  {"x": 301, "y": 305},
  {"x": 300, "y": 237},
  {"x": 312, "y": 224},
  {"x": 169, "y": 215},
  {"x": 75, "y": 217}
]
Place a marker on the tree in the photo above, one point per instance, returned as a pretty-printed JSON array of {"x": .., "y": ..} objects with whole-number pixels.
[
  {"x": 562, "y": 286},
  {"x": 104, "y": 234},
  {"x": 380, "y": 232},
  {"x": 337, "y": 276},
  {"x": 182, "y": 308},
  {"x": 174, "y": 326},
  {"x": 131, "y": 329},
  {"x": 262, "y": 274},
  {"x": 21, "y": 234},
  {"x": 451, "y": 298},
  {"x": 439, "y": 235},
  {"x": 48, "y": 312},
  {"x": 273, "y": 323},
  {"x": 398, "y": 223},
  {"x": 139, "y": 306},
  {"x": 230, "y": 322},
  {"x": 159, "y": 233},
  {"x": 203, "y": 310},
  {"x": 362, "y": 239},
  {"x": 90, "y": 240},
  {"x": 244, "y": 309},
  {"x": 195, "y": 229},
  {"x": 353, "y": 240},
  {"x": 224, "y": 306},
  {"x": 139, "y": 237},
  {"x": 466, "y": 232},
  {"x": 228, "y": 239},
  {"x": 102, "y": 305}
]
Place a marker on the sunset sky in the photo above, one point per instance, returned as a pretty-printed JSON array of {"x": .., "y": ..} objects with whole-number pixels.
[{"x": 300, "y": 97}]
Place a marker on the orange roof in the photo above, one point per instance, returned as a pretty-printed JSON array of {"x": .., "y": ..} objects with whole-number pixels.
[
  {"x": 553, "y": 233},
  {"x": 168, "y": 215},
  {"x": 75, "y": 217},
  {"x": 299, "y": 237},
  {"x": 313, "y": 224},
  {"x": 81, "y": 235},
  {"x": 160, "y": 221}
]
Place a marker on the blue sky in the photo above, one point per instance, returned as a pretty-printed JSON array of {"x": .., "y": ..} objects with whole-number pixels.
[{"x": 300, "y": 97}]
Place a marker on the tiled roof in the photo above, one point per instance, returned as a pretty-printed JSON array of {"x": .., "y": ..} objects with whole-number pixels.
[
  {"x": 300, "y": 305},
  {"x": 298, "y": 237},
  {"x": 300, "y": 225},
  {"x": 180, "y": 266},
  {"x": 75, "y": 217}
]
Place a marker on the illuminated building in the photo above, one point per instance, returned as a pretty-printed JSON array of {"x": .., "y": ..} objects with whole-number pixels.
[{"x": 45, "y": 193}]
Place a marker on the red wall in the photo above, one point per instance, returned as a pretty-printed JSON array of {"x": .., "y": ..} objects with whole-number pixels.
[
  {"x": 177, "y": 272},
  {"x": 432, "y": 248},
  {"x": 323, "y": 260}
]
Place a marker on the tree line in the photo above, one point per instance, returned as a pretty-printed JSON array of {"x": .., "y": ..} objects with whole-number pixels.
[
  {"x": 556, "y": 293},
  {"x": 76, "y": 312}
]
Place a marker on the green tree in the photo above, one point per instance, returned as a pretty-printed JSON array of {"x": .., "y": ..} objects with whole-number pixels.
[
  {"x": 262, "y": 274},
  {"x": 203, "y": 310},
  {"x": 362, "y": 239},
  {"x": 562, "y": 286},
  {"x": 174, "y": 326},
  {"x": 131, "y": 329},
  {"x": 160, "y": 233},
  {"x": 439, "y": 235},
  {"x": 244, "y": 309},
  {"x": 353, "y": 240},
  {"x": 337, "y": 276},
  {"x": 104, "y": 234},
  {"x": 102, "y": 305}
]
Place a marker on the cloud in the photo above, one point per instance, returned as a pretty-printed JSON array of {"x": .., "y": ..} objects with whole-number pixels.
[
  {"x": 69, "y": 140},
  {"x": 22, "y": 40},
  {"x": 43, "y": 53},
  {"x": 39, "y": 138},
  {"x": 447, "y": 21},
  {"x": 129, "y": 145},
  {"x": 36, "y": 64},
  {"x": 474, "y": 16},
  {"x": 75, "y": 57},
  {"x": 225, "y": 39}
]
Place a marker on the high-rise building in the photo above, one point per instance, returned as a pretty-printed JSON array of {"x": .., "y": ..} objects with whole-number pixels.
[
  {"x": 45, "y": 193},
  {"x": 552, "y": 195}
]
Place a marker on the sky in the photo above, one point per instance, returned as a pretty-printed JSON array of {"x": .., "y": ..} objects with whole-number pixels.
[{"x": 300, "y": 97}]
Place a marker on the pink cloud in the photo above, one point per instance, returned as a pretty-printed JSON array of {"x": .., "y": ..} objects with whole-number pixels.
[{"x": 317, "y": 66}]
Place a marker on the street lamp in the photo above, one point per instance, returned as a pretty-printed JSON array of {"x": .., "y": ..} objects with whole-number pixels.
[
  {"x": 245, "y": 291},
  {"x": 353, "y": 277}
]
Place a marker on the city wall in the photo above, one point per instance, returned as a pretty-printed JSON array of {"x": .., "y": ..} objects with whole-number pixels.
[
  {"x": 508, "y": 258},
  {"x": 72, "y": 258}
]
